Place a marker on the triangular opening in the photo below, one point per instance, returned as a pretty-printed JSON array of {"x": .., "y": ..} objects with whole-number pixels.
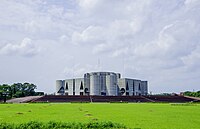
[
  {"x": 66, "y": 86},
  {"x": 61, "y": 90},
  {"x": 139, "y": 88},
  {"x": 81, "y": 87},
  {"x": 127, "y": 88}
]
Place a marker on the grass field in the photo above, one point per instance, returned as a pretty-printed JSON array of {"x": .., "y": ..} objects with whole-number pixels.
[{"x": 133, "y": 115}]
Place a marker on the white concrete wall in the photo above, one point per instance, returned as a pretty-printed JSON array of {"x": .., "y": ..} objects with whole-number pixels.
[
  {"x": 59, "y": 84},
  {"x": 102, "y": 82},
  {"x": 133, "y": 86},
  {"x": 144, "y": 87},
  {"x": 121, "y": 84},
  {"x": 137, "y": 83},
  {"x": 95, "y": 85},
  {"x": 70, "y": 86},
  {"x": 130, "y": 84},
  {"x": 86, "y": 83},
  {"x": 78, "y": 84},
  {"x": 111, "y": 84}
]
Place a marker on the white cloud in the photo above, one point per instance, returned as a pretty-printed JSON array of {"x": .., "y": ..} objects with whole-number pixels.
[
  {"x": 191, "y": 2},
  {"x": 79, "y": 70},
  {"x": 192, "y": 61},
  {"x": 91, "y": 35},
  {"x": 102, "y": 48},
  {"x": 88, "y": 4},
  {"x": 64, "y": 38},
  {"x": 25, "y": 48},
  {"x": 172, "y": 41}
]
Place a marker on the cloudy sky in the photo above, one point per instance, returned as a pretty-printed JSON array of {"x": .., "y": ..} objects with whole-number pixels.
[{"x": 154, "y": 40}]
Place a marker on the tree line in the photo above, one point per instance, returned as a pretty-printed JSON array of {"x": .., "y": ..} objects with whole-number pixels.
[
  {"x": 17, "y": 90},
  {"x": 193, "y": 94}
]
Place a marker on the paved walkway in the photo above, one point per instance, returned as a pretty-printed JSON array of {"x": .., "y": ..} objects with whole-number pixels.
[{"x": 23, "y": 99}]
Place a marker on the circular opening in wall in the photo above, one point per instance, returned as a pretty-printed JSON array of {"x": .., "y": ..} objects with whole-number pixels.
[
  {"x": 122, "y": 90},
  {"x": 86, "y": 90}
]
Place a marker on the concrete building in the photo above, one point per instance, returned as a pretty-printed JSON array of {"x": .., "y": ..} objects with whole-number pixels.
[{"x": 103, "y": 84}]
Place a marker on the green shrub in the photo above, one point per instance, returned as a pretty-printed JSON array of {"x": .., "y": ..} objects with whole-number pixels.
[
  {"x": 183, "y": 104},
  {"x": 6, "y": 126},
  {"x": 30, "y": 125},
  {"x": 62, "y": 125}
]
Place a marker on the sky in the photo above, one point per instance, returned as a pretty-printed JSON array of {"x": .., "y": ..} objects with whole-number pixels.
[{"x": 154, "y": 40}]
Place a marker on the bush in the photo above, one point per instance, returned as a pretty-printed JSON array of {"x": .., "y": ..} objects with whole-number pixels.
[
  {"x": 62, "y": 125},
  {"x": 30, "y": 125},
  {"x": 6, "y": 126}
]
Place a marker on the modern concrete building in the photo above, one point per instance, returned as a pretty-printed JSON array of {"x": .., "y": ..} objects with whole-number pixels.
[{"x": 103, "y": 84}]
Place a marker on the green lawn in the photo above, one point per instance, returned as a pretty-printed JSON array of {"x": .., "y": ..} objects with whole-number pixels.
[{"x": 134, "y": 115}]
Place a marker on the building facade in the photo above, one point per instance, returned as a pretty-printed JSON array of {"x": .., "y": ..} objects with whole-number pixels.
[{"x": 102, "y": 84}]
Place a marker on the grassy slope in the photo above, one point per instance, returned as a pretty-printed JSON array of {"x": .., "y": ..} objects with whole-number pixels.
[{"x": 144, "y": 115}]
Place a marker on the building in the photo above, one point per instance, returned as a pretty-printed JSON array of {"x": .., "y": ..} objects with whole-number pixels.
[{"x": 102, "y": 84}]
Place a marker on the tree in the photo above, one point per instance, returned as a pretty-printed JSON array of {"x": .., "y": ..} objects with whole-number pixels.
[
  {"x": 18, "y": 90},
  {"x": 193, "y": 94}
]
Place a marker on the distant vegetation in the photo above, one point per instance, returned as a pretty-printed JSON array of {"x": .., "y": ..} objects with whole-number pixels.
[
  {"x": 18, "y": 90},
  {"x": 193, "y": 94}
]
